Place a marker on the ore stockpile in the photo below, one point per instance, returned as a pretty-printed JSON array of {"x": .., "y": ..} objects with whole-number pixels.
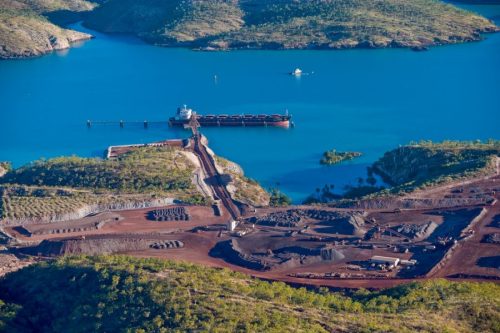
[
  {"x": 90, "y": 223},
  {"x": 169, "y": 214},
  {"x": 101, "y": 245},
  {"x": 345, "y": 241},
  {"x": 293, "y": 238}
]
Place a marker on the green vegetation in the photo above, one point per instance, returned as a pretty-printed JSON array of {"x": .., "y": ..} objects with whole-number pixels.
[
  {"x": 200, "y": 19},
  {"x": 242, "y": 188},
  {"x": 24, "y": 202},
  {"x": 7, "y": 313},
  {"x": 228, "y": 24},
  {"x": 331, "y": 157},
  {"x": 419, "y": 165},
  {"x": 276, "y": 24},
  {"x": 64, "y": 185},
  {"x": 426, "y": 163},
  {"x": 144, "y": 169},
  {"x": 323, "y": 195},
  {"x": 359, "y": 191},
  {"x": 278, "y": 198},
  {"x": 25, "y": 32},
  {"x": 124, "y": 294}
]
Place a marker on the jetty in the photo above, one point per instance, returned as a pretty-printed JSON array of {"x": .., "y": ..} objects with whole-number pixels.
[
  {"x": 122, "y": 123},
  {"x": 184, "y": 115},
  {"x": 208, "y": 164}
]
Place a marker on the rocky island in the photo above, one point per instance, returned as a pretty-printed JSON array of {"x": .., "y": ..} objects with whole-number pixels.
[{"x": 333, "y": 156}]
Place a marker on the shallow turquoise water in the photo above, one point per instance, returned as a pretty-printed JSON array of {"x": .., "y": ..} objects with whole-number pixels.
[{"x": 364, "y": 100}]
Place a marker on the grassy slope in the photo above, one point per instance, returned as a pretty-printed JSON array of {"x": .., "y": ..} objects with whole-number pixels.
[
  {"x": 243, "y": 189},
  {"x": 430, "y": 163},
  {"x": 202, "y": 19},
  {"x": 120, "y": 294},
  {"x": 44, "y": 188},
  {"x": 222, "y": 24},
  {"x": 420, "y": 165},
  {"x": 144, "y": 169},
  {"x": 24, "y": 32},
  {"x": 290, "y": 24}
]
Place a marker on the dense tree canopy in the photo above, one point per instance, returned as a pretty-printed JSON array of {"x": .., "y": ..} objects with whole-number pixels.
[{"x": 123, "y": 294}]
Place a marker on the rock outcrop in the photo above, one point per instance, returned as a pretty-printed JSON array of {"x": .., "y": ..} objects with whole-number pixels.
[
  {"x": 22, "y": 37},
  {"x": 25, "y": 32},
  {"x": 4, "y": 167}
]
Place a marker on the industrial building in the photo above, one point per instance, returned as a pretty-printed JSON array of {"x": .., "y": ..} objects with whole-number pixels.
[{"x": 389, "y": 261}]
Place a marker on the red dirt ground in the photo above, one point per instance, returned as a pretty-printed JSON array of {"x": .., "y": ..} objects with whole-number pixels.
[{"x": 198, "y": 244}]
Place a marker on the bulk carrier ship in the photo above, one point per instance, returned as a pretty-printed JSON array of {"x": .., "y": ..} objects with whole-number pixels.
[{"x": 184, "y": 116}]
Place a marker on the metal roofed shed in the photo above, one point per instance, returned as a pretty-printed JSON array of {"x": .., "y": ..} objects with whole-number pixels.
[{"x": 389, "y": 261}]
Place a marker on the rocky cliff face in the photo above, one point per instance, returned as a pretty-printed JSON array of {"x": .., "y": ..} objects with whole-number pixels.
[
  {"x": 25, "y": 32},
  {"x": 89, "y": 209},
  {"x": 242, "y": 189},
  {"x": 26, "y": 36}
]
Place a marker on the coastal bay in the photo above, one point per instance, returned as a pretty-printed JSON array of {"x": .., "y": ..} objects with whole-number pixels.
[{"x": 353, "y": 100}]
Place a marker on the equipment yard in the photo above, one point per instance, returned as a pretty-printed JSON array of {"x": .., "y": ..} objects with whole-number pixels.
[
  {"x": 315, "y": 245},
  {"x": 450, "y": 231}
]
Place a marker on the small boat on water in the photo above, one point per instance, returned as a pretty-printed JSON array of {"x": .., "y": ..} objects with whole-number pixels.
[{"x": 297, "y": 72}]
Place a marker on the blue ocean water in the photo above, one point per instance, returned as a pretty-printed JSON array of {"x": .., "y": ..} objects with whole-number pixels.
[{"x": 363, "y": 100}]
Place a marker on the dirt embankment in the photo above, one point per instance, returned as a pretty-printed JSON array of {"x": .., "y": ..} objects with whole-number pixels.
[
  {"x": 88, "y": 210},
  {"x": 413, "y": 203},
  {"x": 100, "y": 245},
  {"x": 279, "y": 258},
  {"x": 199, "y": 175},
  {"x": 241, "y": 188},
  {"x": 89, "y": 223}
]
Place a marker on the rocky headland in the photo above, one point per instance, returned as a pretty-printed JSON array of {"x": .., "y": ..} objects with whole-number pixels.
[
  {"x": 26, "y": 32},
  {"x": 253, "y": 24},
  {"x": 32, "y": 28}
]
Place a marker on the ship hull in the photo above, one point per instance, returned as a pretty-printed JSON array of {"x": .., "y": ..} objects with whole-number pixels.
[{"x": 236, "y": 121}]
